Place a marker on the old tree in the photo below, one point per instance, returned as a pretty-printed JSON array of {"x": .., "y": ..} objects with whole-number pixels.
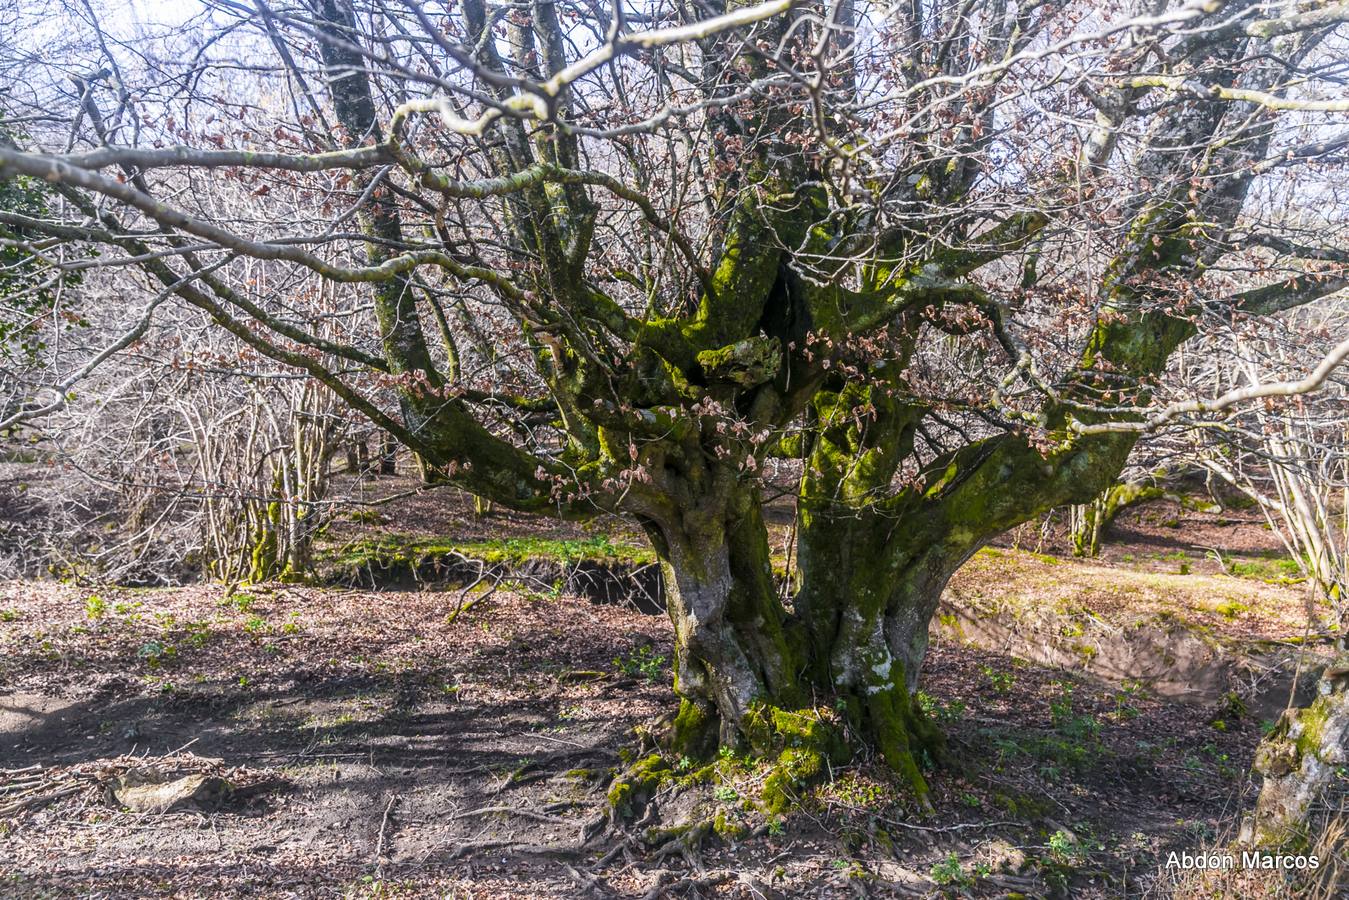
[{"x": 922, "y": 266}]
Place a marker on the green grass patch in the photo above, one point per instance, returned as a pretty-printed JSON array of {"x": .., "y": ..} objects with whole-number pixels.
[
  {"x": 1271, "y": 570},
  {"x": 389, "y": 549}
]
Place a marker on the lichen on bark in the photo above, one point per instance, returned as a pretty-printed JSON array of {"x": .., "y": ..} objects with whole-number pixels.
[{"x": 1300, "y": 761}]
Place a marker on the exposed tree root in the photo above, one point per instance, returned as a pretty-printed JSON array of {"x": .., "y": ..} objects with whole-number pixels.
[
  {"x": 512, "y": 811},
  {"x": 563, "y": 851},
  {"x": 685, "y": 839},
  {"x": 533, "y": 770},
  {"x": 631, "y": 790},
  {"x": 590, "y": 884},
  {"x": 664, "y": 887}
]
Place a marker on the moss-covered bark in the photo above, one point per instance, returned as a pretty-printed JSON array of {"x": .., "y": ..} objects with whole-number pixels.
[
  {"x": 1092, "y": 519},
  {"x": 756, "y": 678},
  {"x": 1300, "y": 762}
]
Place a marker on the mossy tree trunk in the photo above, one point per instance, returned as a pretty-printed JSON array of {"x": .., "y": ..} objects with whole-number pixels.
[
  {"x": 866, "y": 602},
  {"x": 1301, "y": 762},
  {"x": 1090, "y": 520},
  {"x": 735, "y": 647},
  {"x": 752, "y": 675},
  {"x": 872, "y": 564}
]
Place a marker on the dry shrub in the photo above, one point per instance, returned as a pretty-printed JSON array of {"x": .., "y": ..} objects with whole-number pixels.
[{"x": 1329, "y": 881}]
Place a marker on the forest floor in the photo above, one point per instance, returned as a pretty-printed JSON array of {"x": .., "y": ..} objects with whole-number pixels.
[{"x": 427, "y": 742}]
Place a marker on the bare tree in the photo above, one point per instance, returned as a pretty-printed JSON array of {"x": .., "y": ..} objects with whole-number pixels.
[{"x": 621, "y": 260}]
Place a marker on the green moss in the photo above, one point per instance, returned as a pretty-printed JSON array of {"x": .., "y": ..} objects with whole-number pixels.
[
  {"x": 804, "y": 744},
  {"x": 1021, "y": 806},
  {"x": 795, "y": 770},
  {"x": 802, "y": 729},
  {"x": 1311, "y": 728},
  {"x": 656, "y": 836},
  {"x": 695, "y": 730},
  {"x": 902, "y": 733},
  {"x": 747, "y": 363},
  {"x": 727, "y": 828},
  {"x": 707, "y": 774},
  {"x": 951, "y": 623},
  {"x": 1276, "y": 570},
  {"x": 635, "y": 786}
]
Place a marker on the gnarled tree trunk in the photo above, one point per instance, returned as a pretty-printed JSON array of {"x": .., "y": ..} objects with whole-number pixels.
[{"x": 783, "y": 684}]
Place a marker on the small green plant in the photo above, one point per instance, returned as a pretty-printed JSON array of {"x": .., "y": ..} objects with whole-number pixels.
[
  {"x": 95, "y": 607},
  {"x": 155, "y": 652},
  {"x": 256, "y": 625},
  {"x": 9, "y": 615},
  {"x": 1077, "y": 727},
  {"x": 857, "y": 790},
  {"x": 949, "y": 872},
  {"x": 1082, "y": 728},
  {"x": 1065, "y": 847},
  {"x": 198, "y": 633},
  {"x": 241, "y": 602},
  {"x": 1124, "y": 700},
  {"x": 644, "y": 662},
  {"x": 1061, "y": 707},
  {"x": 942, "y": 712},
  {"x": 1232, "y": 706},
  {"x": 1001, "y": 681},
  {"x": 726, "y": 794}
]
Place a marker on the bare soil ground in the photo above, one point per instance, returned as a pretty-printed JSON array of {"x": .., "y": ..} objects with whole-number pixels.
[{"x": 406, "y": 756}]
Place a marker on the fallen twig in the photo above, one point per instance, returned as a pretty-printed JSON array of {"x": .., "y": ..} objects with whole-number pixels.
[
  {"x": 383, "y": 829},
  {"x": 40, "y": 800}
]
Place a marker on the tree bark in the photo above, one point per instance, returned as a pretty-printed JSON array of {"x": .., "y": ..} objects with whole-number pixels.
[
  {"x": 734, "y": 646},
  {"x": 752, "y": 674},
  {"x": 1299, "y": 762},
  {"x": 1090, "y": 520},
  {"x": 866, "y": 604}
]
